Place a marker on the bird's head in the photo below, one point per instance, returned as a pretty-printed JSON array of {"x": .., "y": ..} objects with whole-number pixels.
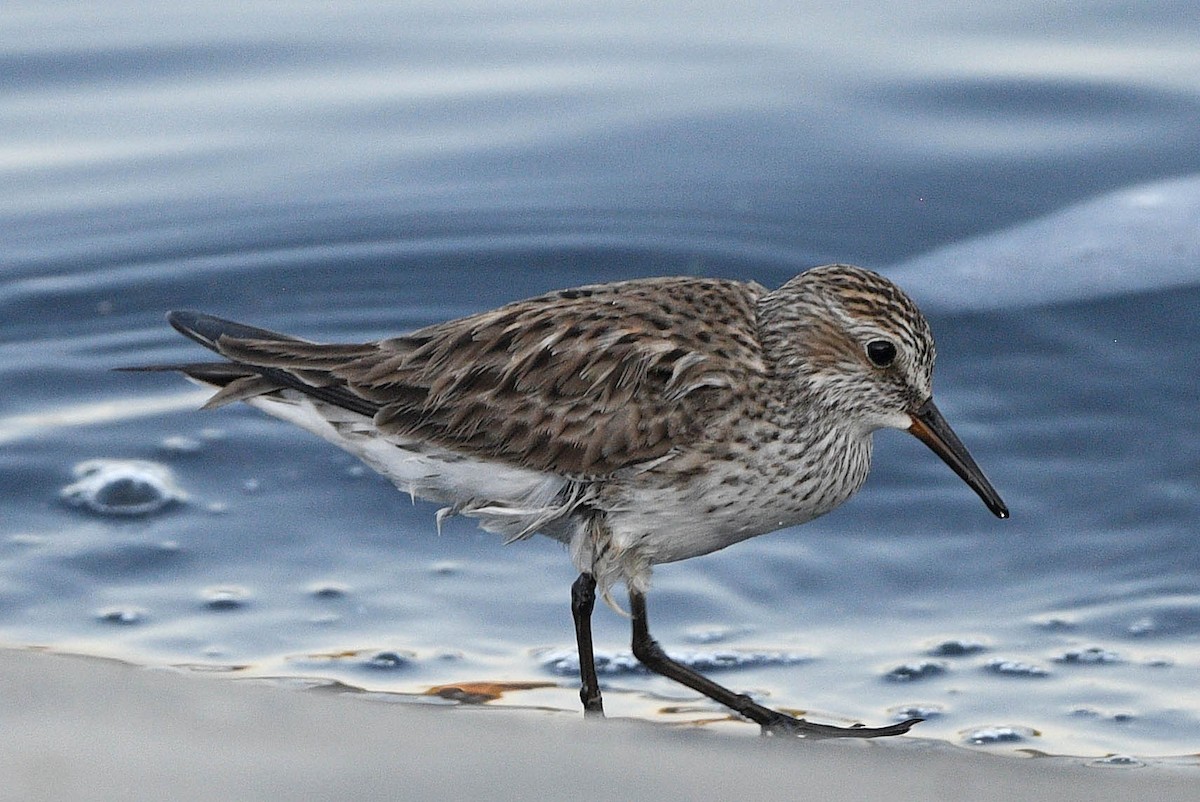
[{"x": 854, "y": 345}]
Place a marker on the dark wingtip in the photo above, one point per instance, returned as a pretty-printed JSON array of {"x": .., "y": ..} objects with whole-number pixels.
[
  {"x": 208, "y": 329},
  {"x": 183, "y": 319},
  {"x": 196, "y": 326},
  {"x": 145, "y": 368}
]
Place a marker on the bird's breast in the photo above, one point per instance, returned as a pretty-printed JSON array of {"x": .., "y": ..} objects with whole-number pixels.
[{"x": 702, "y": 502}]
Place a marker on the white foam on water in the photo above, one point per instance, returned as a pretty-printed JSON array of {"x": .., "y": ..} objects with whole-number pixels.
[{"x": 1137, "y": 239}]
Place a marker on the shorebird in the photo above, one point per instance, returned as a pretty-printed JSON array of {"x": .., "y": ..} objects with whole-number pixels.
[{"x": 638, "y": 422}]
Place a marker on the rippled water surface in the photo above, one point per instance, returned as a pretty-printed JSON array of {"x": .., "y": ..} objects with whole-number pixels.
[{"x": 1031, "y": 172}]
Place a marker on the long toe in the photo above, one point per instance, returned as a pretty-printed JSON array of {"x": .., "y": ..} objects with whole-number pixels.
[{"x": 800, "y": 728}]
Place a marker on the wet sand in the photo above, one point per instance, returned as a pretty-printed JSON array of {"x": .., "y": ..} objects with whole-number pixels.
[{"x": 82, "y": 728}]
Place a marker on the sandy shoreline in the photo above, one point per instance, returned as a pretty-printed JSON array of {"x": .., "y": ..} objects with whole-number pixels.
[{"x": 81, "y": 728}]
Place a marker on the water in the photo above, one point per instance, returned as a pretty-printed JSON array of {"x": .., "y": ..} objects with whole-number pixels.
[{"x": 1031, "y": 173}]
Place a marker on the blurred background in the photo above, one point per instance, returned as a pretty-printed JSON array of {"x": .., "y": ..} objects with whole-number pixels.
[{"x": 1030, "y": 172}]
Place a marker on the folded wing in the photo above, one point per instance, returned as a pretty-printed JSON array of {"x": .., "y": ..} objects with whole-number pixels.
[{"x": 581, "y": 382}]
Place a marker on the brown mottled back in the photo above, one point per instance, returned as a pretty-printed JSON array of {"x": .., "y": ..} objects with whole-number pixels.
[{"x": 580, "y": 382}]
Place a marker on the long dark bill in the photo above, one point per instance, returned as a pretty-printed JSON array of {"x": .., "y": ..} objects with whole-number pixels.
[{"x": 931, "y": 428}]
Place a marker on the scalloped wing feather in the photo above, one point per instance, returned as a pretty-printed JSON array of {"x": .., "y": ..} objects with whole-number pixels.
[{"x": 580, "y": 382}]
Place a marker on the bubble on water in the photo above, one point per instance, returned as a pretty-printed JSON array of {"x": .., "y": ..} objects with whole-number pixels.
[
  {"x": 925, "y": 711},
  {"x": 179, "y": 444},
  {"x": 445, "y": 568},
  {"x": 1093, "y": 655},
  {"x": 371, "y": 660},
  {"x": 920, "y": 670},
  {"x": 1117, "y": 761},
  {"x": 1093, "y": 713},
  {"x": 566, "y": 662},
  {"x": 122, "y": 487},
  {"x": 986, "y": 736},
  {"x": 1014, "y": 668},
  {"x": 710, "y": 634},
  {"x": 325, "y": 620},
  {"x": 329, "y": 590},
  {"x": 731, "y": 659},
  {"x": 251, "y": 485},
  {"x": 957, "y": 648},
  {"x": 1167, "y": 619},
  {"x": 1056, "y": 623},
  {"x": 387, "y": 661},
  {"x": 124, "y": 616},
  {"x": 357, "y": 471},
  {"x": 225, "y": 597}
]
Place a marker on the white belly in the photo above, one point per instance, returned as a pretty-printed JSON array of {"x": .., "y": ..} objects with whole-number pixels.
[
  {"x": 656, "y": 518},
  {"x": 512, "y": 501}
]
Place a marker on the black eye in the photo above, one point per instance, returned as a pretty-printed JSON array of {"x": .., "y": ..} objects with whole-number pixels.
[{"x": 881, "y": 353}]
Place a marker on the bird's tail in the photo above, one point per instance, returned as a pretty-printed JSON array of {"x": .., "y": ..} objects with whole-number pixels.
[
  {"x": 235, "y": 380},
  {"x": 262, "y": 362}
]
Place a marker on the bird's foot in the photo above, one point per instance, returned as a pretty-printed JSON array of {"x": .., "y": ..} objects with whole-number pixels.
[
  {"x": 783, "y": 724},
  {"x": 593, "y": 713}
]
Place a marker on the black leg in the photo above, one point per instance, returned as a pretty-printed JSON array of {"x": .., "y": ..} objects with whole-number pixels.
[
  {"x": 583, "y": 600},
  {"x": 647, "y": 650}
]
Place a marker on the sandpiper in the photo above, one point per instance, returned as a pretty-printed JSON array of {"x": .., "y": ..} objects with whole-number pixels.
[{"x": 638, "y": 422}]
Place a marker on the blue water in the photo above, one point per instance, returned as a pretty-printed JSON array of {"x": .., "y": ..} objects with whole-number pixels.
[{"x": 1031, "y": 172}]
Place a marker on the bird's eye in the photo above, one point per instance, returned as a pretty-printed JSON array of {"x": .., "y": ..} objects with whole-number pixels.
[{"x": 881, "y": 353}]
